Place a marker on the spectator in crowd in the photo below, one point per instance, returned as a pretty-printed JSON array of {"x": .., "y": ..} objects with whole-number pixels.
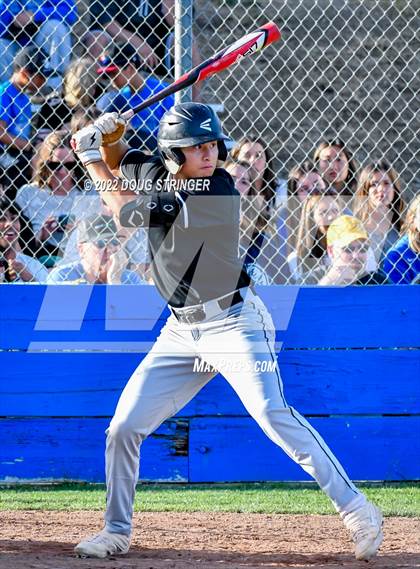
[
  {"x": 378, "y": 203},
  {"x": 256, "y": 152},
  {"x": 337, "y": 166},
  {"x": 241, "y": 173},
  {"x": 147, "y": 26},
  {"x": 304, "y": 180},
  {"x": 102, "y": 257},
  {"x": 16, "y": 116},
  {"x": 16, "y": 266},
  {"x": 81, "y": 88},
  {"x": 260, "y": 246},
  {"x": 133, "y": 88},
  {"x": 46, "y": 23},
  {"x": 309, "y": 261},
  {"x": 51, "y": 114},
  {"x": 402, "y": 261},
  {"x": 26, "y": 236},
  {"x": 348, "y": 247},
  {"x": 97, "y": 43},
  {"x": 134, "y": 243},
  {"x": 80, "y": 92},
  {"x": 53, "y": 202}
]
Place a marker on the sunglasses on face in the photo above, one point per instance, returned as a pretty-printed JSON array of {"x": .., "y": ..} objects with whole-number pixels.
[
  {"x": 52, "y": 165},
  {"x": 103, "y": 243},
  {"x": 358, "y": 249}
]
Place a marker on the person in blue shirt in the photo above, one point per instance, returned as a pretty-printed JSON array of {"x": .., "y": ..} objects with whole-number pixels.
[
  {"x": 125, "y": 70},
  {"x": 47, "y": 23},
  {"x": 28, "y": 76},
  {"x": 102, "y": 258},
  {"x": 402, "y": 261}
]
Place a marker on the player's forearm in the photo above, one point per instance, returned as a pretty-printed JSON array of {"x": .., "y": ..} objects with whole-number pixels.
[
  {"x": 110, "y": 187},
  {"x": 112, "y": 155}
]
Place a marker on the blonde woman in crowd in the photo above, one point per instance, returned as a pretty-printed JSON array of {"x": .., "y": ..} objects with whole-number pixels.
[
  {"x": 379, "y": 205},
  {"x": 80, "y": 86},
  {"x": 309, "y": 260},
  {"x": 304, "y": 180},
  {"x": 402, "y": 261},
  {"x": 54, "y": 202}
]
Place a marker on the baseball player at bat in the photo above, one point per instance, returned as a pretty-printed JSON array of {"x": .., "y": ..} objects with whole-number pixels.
[{"x": 191, "y": 209}]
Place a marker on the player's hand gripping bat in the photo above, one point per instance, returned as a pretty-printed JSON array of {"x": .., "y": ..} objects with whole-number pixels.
[{"x": 247, "y": 45}]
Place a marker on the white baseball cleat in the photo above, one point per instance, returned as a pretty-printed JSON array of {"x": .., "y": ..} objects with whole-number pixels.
[
  {"x": 365, "y": 526},
  {"x": 103, "y": 544}
]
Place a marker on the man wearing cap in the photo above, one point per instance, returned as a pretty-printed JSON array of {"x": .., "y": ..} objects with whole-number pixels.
[
  {"x": 28, "y": 76},
  {"x": 102, "y": 259},
  {"x": 46, "y": 23},
  {"x": 147, "y": 25},
  {"x": 124, "y": 68},
  {"x": 348, "y": 248}
]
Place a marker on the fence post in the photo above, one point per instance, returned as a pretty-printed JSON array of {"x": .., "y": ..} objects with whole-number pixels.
[{"x": 183, "y": 45}]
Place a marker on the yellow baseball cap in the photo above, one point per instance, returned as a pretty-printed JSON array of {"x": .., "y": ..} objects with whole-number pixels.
[{"x": 344, "y": 230}]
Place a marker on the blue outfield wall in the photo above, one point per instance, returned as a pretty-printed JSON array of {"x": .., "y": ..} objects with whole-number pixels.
[{"x": 349, "y": 359}]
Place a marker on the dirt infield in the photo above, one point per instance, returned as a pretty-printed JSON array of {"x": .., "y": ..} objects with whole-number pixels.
[{"x": 45, "y": 540}]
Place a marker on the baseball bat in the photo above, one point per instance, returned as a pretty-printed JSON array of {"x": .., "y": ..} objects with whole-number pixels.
[{"x": 250, "y": 43}]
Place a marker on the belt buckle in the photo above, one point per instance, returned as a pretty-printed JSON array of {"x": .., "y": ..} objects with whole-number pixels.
[{"x": 194, "y": 315}]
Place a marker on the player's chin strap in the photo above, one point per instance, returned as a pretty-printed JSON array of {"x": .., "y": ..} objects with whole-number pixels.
[{"x": 172, "y": 166}]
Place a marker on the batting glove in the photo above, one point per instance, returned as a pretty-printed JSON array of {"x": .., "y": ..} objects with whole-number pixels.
[
  {"x": 112, "y": 127},
  {"x": 86, "y": 143}
]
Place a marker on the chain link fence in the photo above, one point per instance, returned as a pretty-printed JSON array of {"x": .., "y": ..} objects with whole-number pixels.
[{"x": 324, "y": 127}]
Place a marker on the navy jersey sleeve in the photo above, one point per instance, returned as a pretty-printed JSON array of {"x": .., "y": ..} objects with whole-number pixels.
[
  {"x": 153, "y": 207},
  {"x": 146, "y": 170},
  {"x": 215, "y": 205},
  {"x": 153, "y": 210}
]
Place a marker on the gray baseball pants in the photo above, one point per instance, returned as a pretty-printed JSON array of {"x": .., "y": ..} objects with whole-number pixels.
[{"x": 165, "y": 381}]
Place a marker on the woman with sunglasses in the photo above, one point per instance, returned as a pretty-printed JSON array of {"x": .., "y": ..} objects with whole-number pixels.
[{"x": 54, "y": 202}]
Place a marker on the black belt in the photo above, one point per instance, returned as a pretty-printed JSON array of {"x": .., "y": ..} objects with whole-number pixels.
[{"x": 198, "y": 313}]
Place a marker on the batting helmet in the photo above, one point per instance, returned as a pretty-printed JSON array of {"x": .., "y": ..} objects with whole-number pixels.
[{"x": 188, "y": 124}]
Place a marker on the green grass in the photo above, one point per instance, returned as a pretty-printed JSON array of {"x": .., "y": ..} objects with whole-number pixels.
[{"x": 394, "y": 499}]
